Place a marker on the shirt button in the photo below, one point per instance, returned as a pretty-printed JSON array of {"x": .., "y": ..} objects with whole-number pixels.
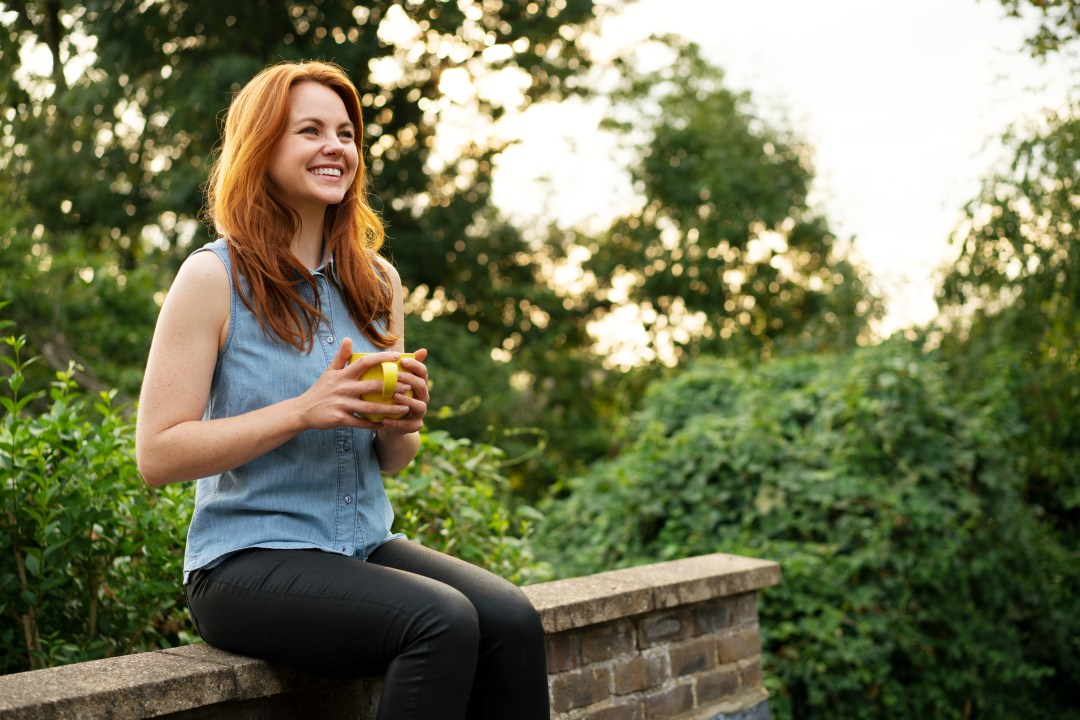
[
  {"x": 329, "y": 339},
  {"x": 348, "y": 499},
  {"x": 346, "y": 447}
]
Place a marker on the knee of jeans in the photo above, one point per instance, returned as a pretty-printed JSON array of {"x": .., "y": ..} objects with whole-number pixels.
[
  {"x": 514, "y": 617},
  {"x": 457, "y": 619}
]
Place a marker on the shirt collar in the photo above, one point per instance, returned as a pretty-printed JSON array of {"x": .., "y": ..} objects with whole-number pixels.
[{"x": 329, "y": 269}]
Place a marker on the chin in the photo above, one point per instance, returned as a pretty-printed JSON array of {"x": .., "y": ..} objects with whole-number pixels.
[{"x": 325, "y": 198}]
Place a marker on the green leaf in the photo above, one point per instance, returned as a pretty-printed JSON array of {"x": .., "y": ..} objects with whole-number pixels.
[{"x": 32, "y": 561}]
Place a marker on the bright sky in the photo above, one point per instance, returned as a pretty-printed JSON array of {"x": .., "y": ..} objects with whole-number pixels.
[{"x": 902, "y": 101}]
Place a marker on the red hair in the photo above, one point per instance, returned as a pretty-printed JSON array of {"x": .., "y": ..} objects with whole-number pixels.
[{"x": 245, "y": 207}]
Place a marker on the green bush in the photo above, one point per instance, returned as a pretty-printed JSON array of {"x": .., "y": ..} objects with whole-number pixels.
[
  {"x": 917, "y": 580},
  {"x": 90, "y": 558}
]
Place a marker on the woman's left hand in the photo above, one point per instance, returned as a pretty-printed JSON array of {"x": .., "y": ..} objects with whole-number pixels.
[{"x": 414, "y": 374}]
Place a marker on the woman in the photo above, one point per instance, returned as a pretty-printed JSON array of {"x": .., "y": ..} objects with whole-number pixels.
[{"x": 249, "y": 389}]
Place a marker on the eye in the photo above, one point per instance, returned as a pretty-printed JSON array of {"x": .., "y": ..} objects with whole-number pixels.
[
  {"x": 310, "y": 130},
  {"x": 347, "y": 134}
]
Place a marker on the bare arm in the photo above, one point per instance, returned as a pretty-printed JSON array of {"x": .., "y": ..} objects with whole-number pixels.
[
  {"x": 397, "y": 441},
  {"x": 172, "y": 442}
]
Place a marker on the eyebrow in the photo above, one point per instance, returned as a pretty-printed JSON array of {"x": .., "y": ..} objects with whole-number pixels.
[{"x": 317, "y": 121}]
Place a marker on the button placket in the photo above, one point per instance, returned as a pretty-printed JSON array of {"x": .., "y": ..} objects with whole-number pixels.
[{"x": 328, "y": 309}]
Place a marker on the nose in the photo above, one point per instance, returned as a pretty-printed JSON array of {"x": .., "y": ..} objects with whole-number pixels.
[{"x": 334, "y": 147}]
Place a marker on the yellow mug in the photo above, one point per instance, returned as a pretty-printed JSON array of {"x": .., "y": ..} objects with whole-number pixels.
[{"x": 387, "y": 373}]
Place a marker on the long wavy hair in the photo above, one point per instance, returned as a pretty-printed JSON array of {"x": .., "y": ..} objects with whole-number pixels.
[{"x": 245, "y": 207}]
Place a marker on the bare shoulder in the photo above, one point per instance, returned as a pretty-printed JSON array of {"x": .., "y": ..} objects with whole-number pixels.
[
  {"x": 203, "y": 269},
  {"x": 202, "y": 276},
  {"x": 199, "y": 297}
]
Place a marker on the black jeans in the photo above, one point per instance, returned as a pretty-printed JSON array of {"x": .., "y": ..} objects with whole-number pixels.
[{"x": 453, "y": 640}]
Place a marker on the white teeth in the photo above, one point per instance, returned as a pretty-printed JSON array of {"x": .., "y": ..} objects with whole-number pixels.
[{"x": 326, "y": 171}]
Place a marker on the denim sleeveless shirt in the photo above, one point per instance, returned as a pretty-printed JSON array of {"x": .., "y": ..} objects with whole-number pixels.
[{"x": 323, "y": 489}]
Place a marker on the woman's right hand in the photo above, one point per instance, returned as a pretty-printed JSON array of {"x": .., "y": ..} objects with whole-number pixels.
[{"x": 335, "y": 398}]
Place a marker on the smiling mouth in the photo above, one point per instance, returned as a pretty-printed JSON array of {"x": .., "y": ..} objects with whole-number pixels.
[{"x": 329, "y": 172}]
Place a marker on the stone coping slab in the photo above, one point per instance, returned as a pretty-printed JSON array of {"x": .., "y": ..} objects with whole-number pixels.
[
  {"x": 146, "y": 685},
  {"x": 174, "y": 680},
  {"x": 593, "y": 599}
]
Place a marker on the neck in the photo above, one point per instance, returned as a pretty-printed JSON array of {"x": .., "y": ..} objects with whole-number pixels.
[{"x": 307, "y": 245}]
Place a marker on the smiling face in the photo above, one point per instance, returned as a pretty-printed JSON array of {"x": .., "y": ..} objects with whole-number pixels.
[{"x": 315, "y": 160}]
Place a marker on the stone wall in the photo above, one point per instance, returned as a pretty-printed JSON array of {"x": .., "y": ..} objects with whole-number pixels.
[{"x": 671, "y": 640}]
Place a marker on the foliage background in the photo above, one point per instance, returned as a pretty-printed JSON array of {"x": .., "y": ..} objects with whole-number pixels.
[{"x": 894, "y": 505}]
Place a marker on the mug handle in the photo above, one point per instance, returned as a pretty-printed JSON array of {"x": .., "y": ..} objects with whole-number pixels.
[{"x": 389, "y": 379}]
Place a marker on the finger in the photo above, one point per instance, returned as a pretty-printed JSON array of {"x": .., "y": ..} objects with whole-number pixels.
[
  {"x": 411, "y": 422},
  {"x": 417, "y": 403},
  {"x": 415, "y": 366},
  {"x": 418, "y": 388},
  {"x": 412, "y": 401},
  {"x": 344, "y": 353},
  {"x": 414, "y": 383},
  {"x": 386, "y": 410},
  {"x": 359, "y": 421}
]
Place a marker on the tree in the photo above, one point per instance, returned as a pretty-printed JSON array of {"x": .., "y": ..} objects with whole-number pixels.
[
  {"x": 725, "y": 255},
  {"x": 1011, "y": 302},
  {"x": 1059, "y": 23}
]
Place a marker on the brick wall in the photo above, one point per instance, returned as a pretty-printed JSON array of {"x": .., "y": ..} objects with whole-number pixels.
[{"x": 693, "y": 659}]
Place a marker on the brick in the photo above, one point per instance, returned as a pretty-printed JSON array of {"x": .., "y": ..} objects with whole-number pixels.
[
  {"x": 658, "y": 665},
  {"x": 713, "y": 616},
  {"x": 750, "y": 674},
  {"x": 666, "y": 627},
  {"x": 692, "y": 656},
  {"x": 717, "y": 684},
  {"x": 738, "y": 644},
  {"x": 563, "y": 652},
  {"x": 745, "y": 608},
  {"x": 626, "y": 711},
  {"x": 579, "y": 688},
  {"x": 631, "y": 675},
  {"x": 669, "y": 702},
  {"x": 607, "y": 641}
]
